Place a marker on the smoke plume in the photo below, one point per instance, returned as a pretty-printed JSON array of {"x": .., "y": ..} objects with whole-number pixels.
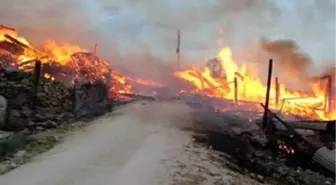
[
  {"x": 290, "y": 63},
  {"x": 130, "y": 31}
]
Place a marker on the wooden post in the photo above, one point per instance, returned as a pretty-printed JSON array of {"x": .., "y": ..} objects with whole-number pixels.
[
  {"x": 74, "y": 98},
  {"x": 95, "y": 49},
  {"x": 36, "y": 80},
  {"x": 235, "y": 81},
  {"x": 277, "y": 92},
  {"x": 108, "y": 83},
  {"x": 269, "y": 81},
  {"x": 329, "y": 93},
  {"x": 107, "y": 91},
  {"x": 178, "y": 49}
]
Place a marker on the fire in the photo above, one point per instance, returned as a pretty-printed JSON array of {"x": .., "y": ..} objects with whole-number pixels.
[
  {"x": 48, "y": 76},
  {"x": 51, "y": 51},
  {"x": 12, "y": 32},
  {"x": 250, "y": 88},
  {"x": 63, "y": 62},
  {"x": 70, "y": 63},
  {"x": 285, "y": 148},
  {"x": 61, "y": 53}
]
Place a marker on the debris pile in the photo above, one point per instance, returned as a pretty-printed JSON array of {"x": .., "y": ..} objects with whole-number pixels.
[
  {"x": 251, "y": 158},
  {"x": 53, "y": 84},
  {"x": 302, "y": 159},
  {"x": 91, "y": 99},
  {"x": 52, "y": 105}
]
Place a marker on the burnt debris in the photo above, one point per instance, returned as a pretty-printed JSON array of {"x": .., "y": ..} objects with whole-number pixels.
[
  {"x": 285, "y": 159},
  {"x": 47, "y": 104}
]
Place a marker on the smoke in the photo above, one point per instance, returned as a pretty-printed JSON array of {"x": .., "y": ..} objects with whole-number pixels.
[
  {"x": 290, "y": 63},
  {"x": 142, "y": 28}
]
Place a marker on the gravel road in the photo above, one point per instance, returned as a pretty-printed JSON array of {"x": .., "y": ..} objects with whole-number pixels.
[{"x": 139, "y": 144}]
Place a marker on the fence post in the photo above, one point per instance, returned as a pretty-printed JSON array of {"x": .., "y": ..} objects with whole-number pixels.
[
  {"x": 235, "y": 81},
  {"x": 269, "y": 81},
  {"x": 36, "y": 80},
  {"x": 277, "y": 92},
  {"x": 329, "y": 92},
  {"x": 74, "y": 97}
]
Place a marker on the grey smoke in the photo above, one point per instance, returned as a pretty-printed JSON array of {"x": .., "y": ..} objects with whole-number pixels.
[{"x": 127, "y": 27}]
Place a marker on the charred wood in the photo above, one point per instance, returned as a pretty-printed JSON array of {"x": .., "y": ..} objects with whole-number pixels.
[
  {"x": 139, "y": 97},
  {"x": 3, "y": 27},
  {"x": 328, "y": 126},
  {"x": 20, "y": 44},
  {"x": 11, "y": 48},
  {"x": 37, "y": 74},
  {"x": 269, "y": 81}
]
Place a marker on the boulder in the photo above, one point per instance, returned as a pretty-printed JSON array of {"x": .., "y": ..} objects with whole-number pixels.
[{"x": 3, "y": 111}]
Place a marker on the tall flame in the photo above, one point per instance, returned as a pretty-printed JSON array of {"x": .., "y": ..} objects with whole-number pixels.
[
  {"x": 250, "y": 88},
  {"x": 71, "y": 57}
]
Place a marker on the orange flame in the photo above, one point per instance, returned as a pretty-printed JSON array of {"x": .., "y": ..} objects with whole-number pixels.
[
  {"x": 12, "y": 32},
  {"x": 88, "y": 66},
  {"x": 250, "y": 88}
]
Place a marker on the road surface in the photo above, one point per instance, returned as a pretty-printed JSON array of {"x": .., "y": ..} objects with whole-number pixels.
[{"x": 139, "y": 144}]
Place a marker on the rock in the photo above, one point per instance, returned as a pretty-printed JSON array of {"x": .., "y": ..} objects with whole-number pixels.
[
  {"x": 10, "y": 70},
  {"x": 20, "y": 153},
  {"x": 39, "y": 128},
  {"x": 5, "y": 135},
  {"x": 13, "y": 164},
  {"x": 26, "y": 112},
  {"x": 3, "y": 111},
  {"x": 15, "y": 124},
  {"x": 260, "y": 178},
  {"x": 13, "y": 74},
  {"x": 299, "y": 170},
  {"x": 259, "y": 153},
  {"x": 253, "y": 175},
  {"x": 3, "y": 168},
  {"x": 39, "y": 117},
  {"x": 12, "y": 144},
  {"x": 283, "y": 170},
  {"x": 55, "y": 138}
]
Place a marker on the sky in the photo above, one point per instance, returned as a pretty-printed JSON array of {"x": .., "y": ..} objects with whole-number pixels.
[{"x": 125, "y": 27}]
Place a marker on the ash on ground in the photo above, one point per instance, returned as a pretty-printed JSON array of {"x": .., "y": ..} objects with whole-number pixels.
[{"x": 248, "y": 151}]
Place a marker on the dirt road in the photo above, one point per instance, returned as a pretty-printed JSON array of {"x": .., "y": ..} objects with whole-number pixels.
[{"x": 139, "y": 144}]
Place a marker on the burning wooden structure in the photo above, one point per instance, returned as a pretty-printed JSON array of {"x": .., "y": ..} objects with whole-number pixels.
[
  {"x": 225, "y": 85},
  {"x": 284, "y": 136}
]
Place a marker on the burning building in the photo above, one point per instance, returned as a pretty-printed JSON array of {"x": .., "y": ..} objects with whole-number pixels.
[
  {"x": 221, "y": 79},
  {"x": 223, "y": 83}
]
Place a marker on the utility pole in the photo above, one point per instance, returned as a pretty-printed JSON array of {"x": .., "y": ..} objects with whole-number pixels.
[{"x": 178, "y": 49}]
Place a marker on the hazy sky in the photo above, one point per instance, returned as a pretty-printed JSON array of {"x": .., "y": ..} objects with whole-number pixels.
[{"x": 129, "y": 26}]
